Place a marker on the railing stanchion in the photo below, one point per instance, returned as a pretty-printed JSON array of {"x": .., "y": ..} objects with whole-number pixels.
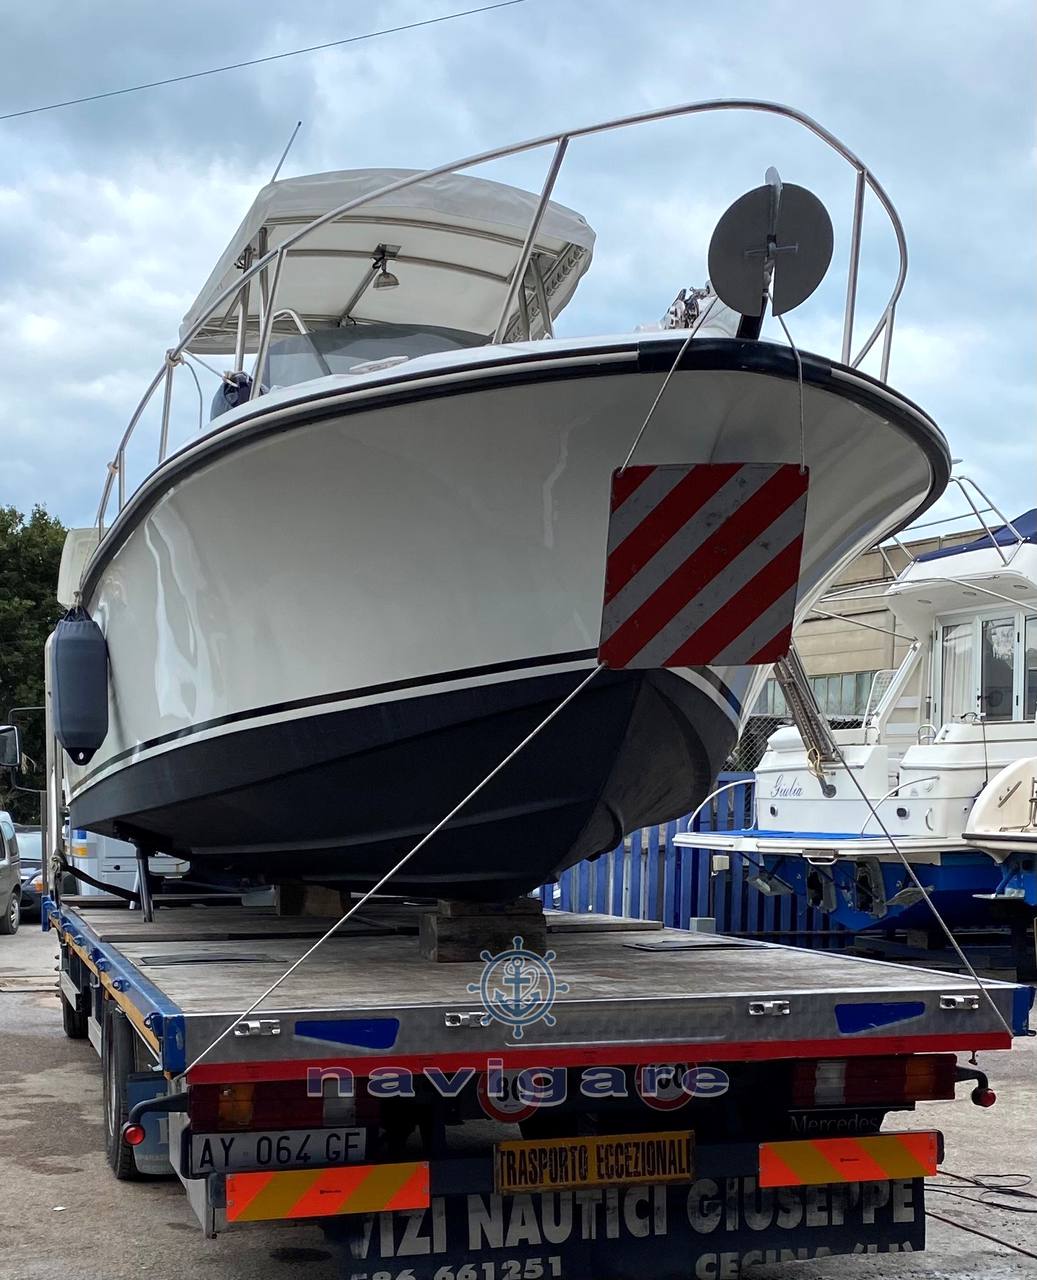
[
  {"x": 239, "y": 341},
  {"x": 523, "y": 307},
  {"x": 262, "y": 249},
  {"x": 247, "y": 258},
  {"x": 268, "y": 326},
  {"x": 983, "y": 524},
  {"x": 887, "y": 342},
  {"x": 167, "y": 404},
  {"x": 120, "y": 460},
  {"x": 519, "y": 274},
  {"x": 541, "y": 296},
  {"x": 855, "y": 258}
]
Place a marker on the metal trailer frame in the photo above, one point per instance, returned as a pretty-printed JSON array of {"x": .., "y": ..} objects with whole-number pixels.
[{"x": 638, "y": 994}]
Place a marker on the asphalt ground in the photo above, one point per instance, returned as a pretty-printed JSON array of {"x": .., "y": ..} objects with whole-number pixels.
[{"x": 63, "y": 1217}]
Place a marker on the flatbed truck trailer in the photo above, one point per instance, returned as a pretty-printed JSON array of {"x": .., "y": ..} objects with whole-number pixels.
[{"x": 676, "y": 1104}]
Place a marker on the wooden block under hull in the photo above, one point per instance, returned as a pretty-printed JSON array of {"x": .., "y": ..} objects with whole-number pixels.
[{"x": 458, "y": 932}]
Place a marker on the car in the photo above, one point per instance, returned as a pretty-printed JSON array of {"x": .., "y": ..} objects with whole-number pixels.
[
  {"x": 10, "y": 877},
  {"x": 30, "y": 853}
]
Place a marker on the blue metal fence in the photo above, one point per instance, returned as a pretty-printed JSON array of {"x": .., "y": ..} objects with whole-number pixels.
[{"x": 648, "y": 877}]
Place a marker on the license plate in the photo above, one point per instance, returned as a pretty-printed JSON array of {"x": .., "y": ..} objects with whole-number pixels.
[
  {"x": 616, "y": 1160},
  {"x": 276, "y": 1149}
]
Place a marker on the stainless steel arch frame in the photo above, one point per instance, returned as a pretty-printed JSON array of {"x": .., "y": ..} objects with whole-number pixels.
[{"x": 268, "y": 280}]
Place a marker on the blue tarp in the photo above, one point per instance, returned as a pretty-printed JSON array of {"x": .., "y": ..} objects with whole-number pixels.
[{"x": 1026, "y": 524}]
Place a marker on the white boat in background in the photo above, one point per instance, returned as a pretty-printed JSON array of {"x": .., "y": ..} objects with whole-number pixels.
[
  {"x": 1003, "y": 821},
  {"x": 945, "y": 755},
  {"x": 333, "y": 611}
]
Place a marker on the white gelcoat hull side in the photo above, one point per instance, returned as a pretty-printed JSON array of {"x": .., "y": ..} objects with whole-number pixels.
[
  {"x": 443, "y": 534},
  {"x": 1004, "y": 818},
  {"x": 937, "y": 785}
]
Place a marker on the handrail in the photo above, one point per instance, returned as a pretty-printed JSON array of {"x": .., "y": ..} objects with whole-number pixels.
[
  {"x": 236, "y": 290},
  {"x": 961, "y": 482},
  {"x": 979, "y": 511},
  {"x": 295, "y": 318}
]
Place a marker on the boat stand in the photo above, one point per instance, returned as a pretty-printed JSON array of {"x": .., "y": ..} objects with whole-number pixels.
[{"x": 142, "y": 884}]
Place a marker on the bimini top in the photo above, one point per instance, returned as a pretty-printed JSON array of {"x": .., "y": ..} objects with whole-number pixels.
[
  {"x": 451, "y": 241},
  {"x": 1005, "y": 536}
]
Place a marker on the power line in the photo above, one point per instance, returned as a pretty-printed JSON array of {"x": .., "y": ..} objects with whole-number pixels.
[{"x": 255, "y": 62}]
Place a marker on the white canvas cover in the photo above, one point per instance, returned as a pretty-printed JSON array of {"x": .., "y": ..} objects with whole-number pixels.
[{"x": 459, "y": 239}]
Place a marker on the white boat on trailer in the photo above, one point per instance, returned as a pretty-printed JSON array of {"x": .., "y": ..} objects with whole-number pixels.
[
  {"x": 332, "y": 611},
  {"x": 944, "y": 756}
]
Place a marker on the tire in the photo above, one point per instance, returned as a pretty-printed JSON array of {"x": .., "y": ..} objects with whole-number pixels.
[
  {"x": 118, "y": 1059},
  {"x": 12, "y": 915}
]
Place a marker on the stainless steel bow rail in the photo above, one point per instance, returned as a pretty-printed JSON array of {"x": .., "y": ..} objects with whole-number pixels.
[
  {"x": 1006, "y": 551},
  {"x": 266, "y": 268},
  {"x": 973, "y": 494}
]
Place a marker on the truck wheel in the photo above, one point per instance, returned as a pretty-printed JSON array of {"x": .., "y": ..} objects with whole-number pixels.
[
  {"x": 12, "y": 915},
  {"x": 117, "y": 1061}
]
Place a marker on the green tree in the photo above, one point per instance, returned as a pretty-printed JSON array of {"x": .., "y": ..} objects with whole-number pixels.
[{"x": 30, "y": 552}]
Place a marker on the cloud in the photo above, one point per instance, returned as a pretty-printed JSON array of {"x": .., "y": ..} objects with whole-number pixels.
[{"x": 112, "y": 213}]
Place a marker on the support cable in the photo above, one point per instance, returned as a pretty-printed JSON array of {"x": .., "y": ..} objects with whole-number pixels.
[
  {"x": 967, "y": 964},
  {"x": 666, "y": 382},
  {"x": 569, "y": 697}
]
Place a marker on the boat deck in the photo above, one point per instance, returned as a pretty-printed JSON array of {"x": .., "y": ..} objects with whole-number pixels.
[
  {"x": 837, "y": 845},
  {"x": 633, "y": 988}
]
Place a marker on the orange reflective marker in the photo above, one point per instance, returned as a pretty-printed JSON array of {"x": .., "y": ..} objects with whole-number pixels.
[
  {"x": 881, "y": 1158},
  {"x": 320, "y": 1193}
]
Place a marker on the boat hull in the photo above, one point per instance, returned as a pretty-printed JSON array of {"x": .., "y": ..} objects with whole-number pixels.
[
  {"x": 366, "y": 784},
  {"x": 331, "y": 617}
]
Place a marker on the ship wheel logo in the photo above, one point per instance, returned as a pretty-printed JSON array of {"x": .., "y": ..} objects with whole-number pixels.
[{"x": 518, "y": 988}]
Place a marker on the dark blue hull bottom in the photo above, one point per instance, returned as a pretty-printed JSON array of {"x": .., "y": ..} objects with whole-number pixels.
[
  {"x": 847, "y": 891},
  {"x": 338, "y": 798}
]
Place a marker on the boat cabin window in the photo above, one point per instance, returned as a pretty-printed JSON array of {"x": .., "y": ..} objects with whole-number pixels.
[
  {"x": 958, "y": 694},
  {"x": 995, "y": 696},
  {"x": 989, "y": 665},
  {"x": 303, "y": 356}
]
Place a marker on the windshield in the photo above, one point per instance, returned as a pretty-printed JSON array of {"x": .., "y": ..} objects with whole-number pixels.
[
  {"x": 314, "y": 355},
  {"x": 29, "y": 843}
]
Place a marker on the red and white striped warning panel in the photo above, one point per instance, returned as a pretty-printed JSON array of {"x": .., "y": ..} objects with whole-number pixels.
[{"x": 703, "y": 564}]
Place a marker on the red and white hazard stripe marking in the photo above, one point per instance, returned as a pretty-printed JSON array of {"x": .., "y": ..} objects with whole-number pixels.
[{"x": 703, "y": 564}]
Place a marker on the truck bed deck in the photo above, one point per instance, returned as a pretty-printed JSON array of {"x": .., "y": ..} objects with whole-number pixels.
[{"x": 629, "y": 991}]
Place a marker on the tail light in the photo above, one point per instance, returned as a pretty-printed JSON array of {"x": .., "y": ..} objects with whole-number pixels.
[
  {"x": 873, "y": 1082},
  {"x": 234, "y": 1105}
]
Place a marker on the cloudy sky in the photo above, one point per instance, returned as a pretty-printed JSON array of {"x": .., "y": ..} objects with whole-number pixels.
[{"x": 113, "y": 212}]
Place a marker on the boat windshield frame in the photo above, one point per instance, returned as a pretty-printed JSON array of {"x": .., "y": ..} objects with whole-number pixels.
[{"x": 266, "y": 269}]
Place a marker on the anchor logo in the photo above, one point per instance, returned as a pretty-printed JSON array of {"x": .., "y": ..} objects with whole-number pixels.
[{"x": 518, "y": 988}]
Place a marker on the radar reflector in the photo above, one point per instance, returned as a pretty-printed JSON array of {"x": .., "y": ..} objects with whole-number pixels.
[{"x": 776, "y": 237}]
